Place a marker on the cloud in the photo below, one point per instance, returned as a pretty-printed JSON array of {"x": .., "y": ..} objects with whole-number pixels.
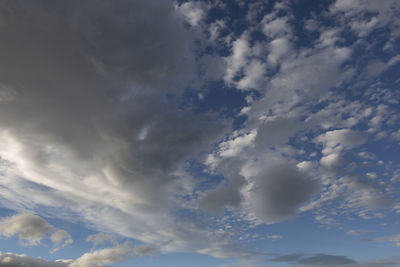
[
  {"x": 314, "y": 260},
  {"x": 337, "y": 140},
  {"x": 14, "y": 260},
  {"x": 103, "y": 257},
  {"x": 95, "y": 128},
  {"x": 32, "y": 229},
  {"x": 279, "y": 190},
  {"x": 225, "y": 250},
  {"x": 275, "y": 27},
  {"x": 145, "y": 250},
  {"x": 275, "y": 237},
  {"x": 61, "y": 239},
  {"x": 395, "y": 239},
  {"x": 325, "y": 260},
  {"x": 97, "y": 119},
  {"x": 224, "y": 195},
  {"x": 27, "y": 227},
  {"x": 287, "y": 258},
  {"x": 238, "y": 59},
  {"x": 100, "y": 238},
  {"x": 193, "y": 12}
]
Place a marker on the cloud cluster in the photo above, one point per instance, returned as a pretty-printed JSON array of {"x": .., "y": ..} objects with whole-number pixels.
[
  {"x": 31, "y": 229},
  {"x": 28, "y": 227},
  {"x": 15, "y": 260},
  {"x": 97, "y": 258}
]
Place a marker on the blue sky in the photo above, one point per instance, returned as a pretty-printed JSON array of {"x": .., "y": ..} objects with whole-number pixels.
[{"x": 199, "y": 133}]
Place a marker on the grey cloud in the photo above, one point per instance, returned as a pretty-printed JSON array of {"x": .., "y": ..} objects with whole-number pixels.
[
  {"x": 288, "y": 258},
  {"x": 224, "y": 195},
  {"x": 279, "y": 190},
  {"x": 28, "y": 227},
  {"x": 395, "y": 239},
  {"x": 100, "y": 238},
  {"x": 145, "y": 250},
  {"x": 102, "y": 257},
  {"x": 326, "y": 260},
  {"x": 61, "y": 239},
  {"x": 388, "y": 261},
  {"x": 276, "y": 132},
  {"x": 228, "y": 250},
  {"x": 314, "y": 260},
  {"x": 32, "y": 229},
  {"x": 96, "y": 111},
  {"x": 15, "y": 260},
  {"x": 366, "y": 193}
]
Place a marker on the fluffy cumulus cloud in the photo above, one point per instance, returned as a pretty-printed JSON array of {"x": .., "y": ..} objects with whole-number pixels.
[{"x": 186, "y": 126}]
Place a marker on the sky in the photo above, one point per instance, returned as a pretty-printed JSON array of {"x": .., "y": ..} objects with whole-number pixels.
[{"x": 199, "y": 133}]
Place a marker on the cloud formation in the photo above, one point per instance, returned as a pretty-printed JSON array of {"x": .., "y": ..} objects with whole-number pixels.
[
  {"x": 15, "y": 260},
  {"x": 279, "y": 190},
  {"x": 27, "y": 227},
  {"x": 32, "y": 229},
  {"x": 186, "y": 125}
]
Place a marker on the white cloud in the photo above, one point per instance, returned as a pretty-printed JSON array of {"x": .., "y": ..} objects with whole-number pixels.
[
  {"x": 337, "y": 140},
  {"x": 104, "y": 257},
  {"x": 100, "y": 238},
  {"x": 278, "y": 48},
  {"x": 238, "y": 59},
  {"x": 61, "y": 239},
  {"x": 193, "y": 12},
  {"x": 275, "y": 27},
  {"x": 331, "y": 161},
  {"x": 253, "y": 75},
  {"x": 234, "y": 146},
  {"x": 395, "y": 239},
  {"x": 275, "y": 237}
]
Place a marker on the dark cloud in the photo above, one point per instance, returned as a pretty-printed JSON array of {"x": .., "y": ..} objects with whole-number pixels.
[
  {"x": 279, "y": 190},
  {"x": 326, "y": 260},
  {"x": 93, "y": 104},
  {"x": 288, "y": 258},
  {"x": 314, "y": 260}
]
